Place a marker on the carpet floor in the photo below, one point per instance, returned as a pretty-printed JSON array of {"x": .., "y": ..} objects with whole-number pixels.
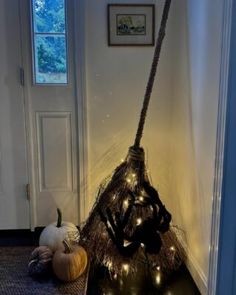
[{"x": 14, "y": 278}]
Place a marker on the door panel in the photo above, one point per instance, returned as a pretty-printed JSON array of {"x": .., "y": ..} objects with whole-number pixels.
[
  {"x": 14, "y": 206},
  {"x": 54, "y": 151},
  {"x": 51, "y": 111}
]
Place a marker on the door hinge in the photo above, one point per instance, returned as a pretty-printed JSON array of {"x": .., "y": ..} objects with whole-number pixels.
[
  {"x": 27, "y": 188},
  {"x": 22, "y": 77}
]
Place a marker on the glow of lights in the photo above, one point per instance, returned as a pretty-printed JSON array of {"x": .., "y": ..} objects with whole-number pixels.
[
  {"x": 141, "y": 198},
  {"x": 139, "y": 221},
  {"x": 158, "y": 279},
  {"x": 126, "y": 203},
  {"x": 158, "y": 268},
  {"x": 133, "y": 175},
  {"x": 109, "y": 264},
  {"x": 115, "y": 276},
  {"x": 128, "y": 180},
  {"x": 142, "y": 245},
  {"x": 172, "y": 248},
  {"x": 126, "y": 268},
  {"x": 114, "y": 197}
]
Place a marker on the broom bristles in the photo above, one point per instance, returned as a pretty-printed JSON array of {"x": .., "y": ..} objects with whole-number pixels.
[{"x": 113, "y": 194}]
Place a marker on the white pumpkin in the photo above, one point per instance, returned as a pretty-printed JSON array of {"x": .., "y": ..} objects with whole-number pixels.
[{"x": 54, "y": 234}]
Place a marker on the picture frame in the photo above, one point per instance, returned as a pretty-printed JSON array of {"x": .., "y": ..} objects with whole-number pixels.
[{"x": 131, "y": 24}]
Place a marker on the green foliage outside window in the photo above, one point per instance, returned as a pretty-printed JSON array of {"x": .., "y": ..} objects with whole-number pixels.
[{"x": 50, "y": 41}]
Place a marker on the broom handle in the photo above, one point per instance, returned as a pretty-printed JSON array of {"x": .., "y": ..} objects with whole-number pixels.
[{"x": 152, "y": 74}]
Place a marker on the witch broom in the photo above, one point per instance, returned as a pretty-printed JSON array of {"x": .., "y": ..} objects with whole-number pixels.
[{"x": 128, "y": 219}]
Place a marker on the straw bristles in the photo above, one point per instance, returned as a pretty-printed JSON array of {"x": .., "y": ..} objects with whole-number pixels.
[{"x": 114, "y": 194}]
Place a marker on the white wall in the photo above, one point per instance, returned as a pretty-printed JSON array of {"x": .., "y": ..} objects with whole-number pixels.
[
  {"x": 196, "y": 43},
  {"x": 14, "y": 209},
  {"x": 180, "y": 133},
  {"x": 116, "y": 80}
]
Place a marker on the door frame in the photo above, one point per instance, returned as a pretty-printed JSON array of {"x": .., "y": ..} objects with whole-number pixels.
[
  {"x": 220, "y": 154},
  {"x": 81, "y": 99},
  {"x": 81, "y": 109},
  {"x": 226, "y": 272}
]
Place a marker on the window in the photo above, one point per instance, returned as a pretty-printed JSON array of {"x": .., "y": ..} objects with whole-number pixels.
[{"x": 49, "y": 41}]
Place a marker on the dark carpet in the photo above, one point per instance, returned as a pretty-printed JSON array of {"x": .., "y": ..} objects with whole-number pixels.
[{"x": 14, "y": 278}]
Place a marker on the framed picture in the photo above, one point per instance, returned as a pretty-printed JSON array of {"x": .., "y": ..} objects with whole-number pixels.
[{"x": 131, "y": 24}]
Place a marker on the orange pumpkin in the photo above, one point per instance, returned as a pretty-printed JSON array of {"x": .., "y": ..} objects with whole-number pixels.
[{"x": 69, "y": 262}]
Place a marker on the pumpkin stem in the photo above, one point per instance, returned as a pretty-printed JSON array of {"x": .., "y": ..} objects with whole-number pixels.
[
  {"x": 59, "y": 217},
  {"x": 67, "y": 246}
]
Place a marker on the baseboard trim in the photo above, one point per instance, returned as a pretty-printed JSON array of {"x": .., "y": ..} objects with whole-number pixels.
[
  {"x": 198, "y": 275},
  {"x": 18, "y": 237}
]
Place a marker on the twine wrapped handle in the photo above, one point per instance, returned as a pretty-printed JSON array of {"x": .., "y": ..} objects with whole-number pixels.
[{"x": 152, "y": 74}]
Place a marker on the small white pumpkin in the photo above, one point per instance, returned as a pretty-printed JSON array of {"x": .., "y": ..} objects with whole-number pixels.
[{"x": 54, "y": 234}]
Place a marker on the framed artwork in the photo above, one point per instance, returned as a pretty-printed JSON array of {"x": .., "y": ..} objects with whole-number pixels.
[{"x": 131, "y": 24}]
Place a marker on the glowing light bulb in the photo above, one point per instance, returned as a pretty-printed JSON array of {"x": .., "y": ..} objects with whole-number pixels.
[
  {"x": 172, "y": 248},
  {"x": 142, "y": 245},
  {"x": 141, "y": 198},
  {"x": 139, "y": 221},
  {"x": 158, "y": 279},
  {"x": 128, "y": 180},
  {"x": 109, "y": 265},
  {"x": 126, "y": 203},
  {"x": 158, "y": 268},
  {"x": 126, "y": 268}
]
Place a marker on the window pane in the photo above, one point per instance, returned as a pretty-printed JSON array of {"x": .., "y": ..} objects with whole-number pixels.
[
  {"x": 50, "y": 59},
  {"x": 49, "y": 16}
]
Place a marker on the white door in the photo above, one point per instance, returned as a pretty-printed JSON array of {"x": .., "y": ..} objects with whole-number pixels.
[
  {"x": 49, "y": 77},
  {"x": 14, "y": 206}
]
